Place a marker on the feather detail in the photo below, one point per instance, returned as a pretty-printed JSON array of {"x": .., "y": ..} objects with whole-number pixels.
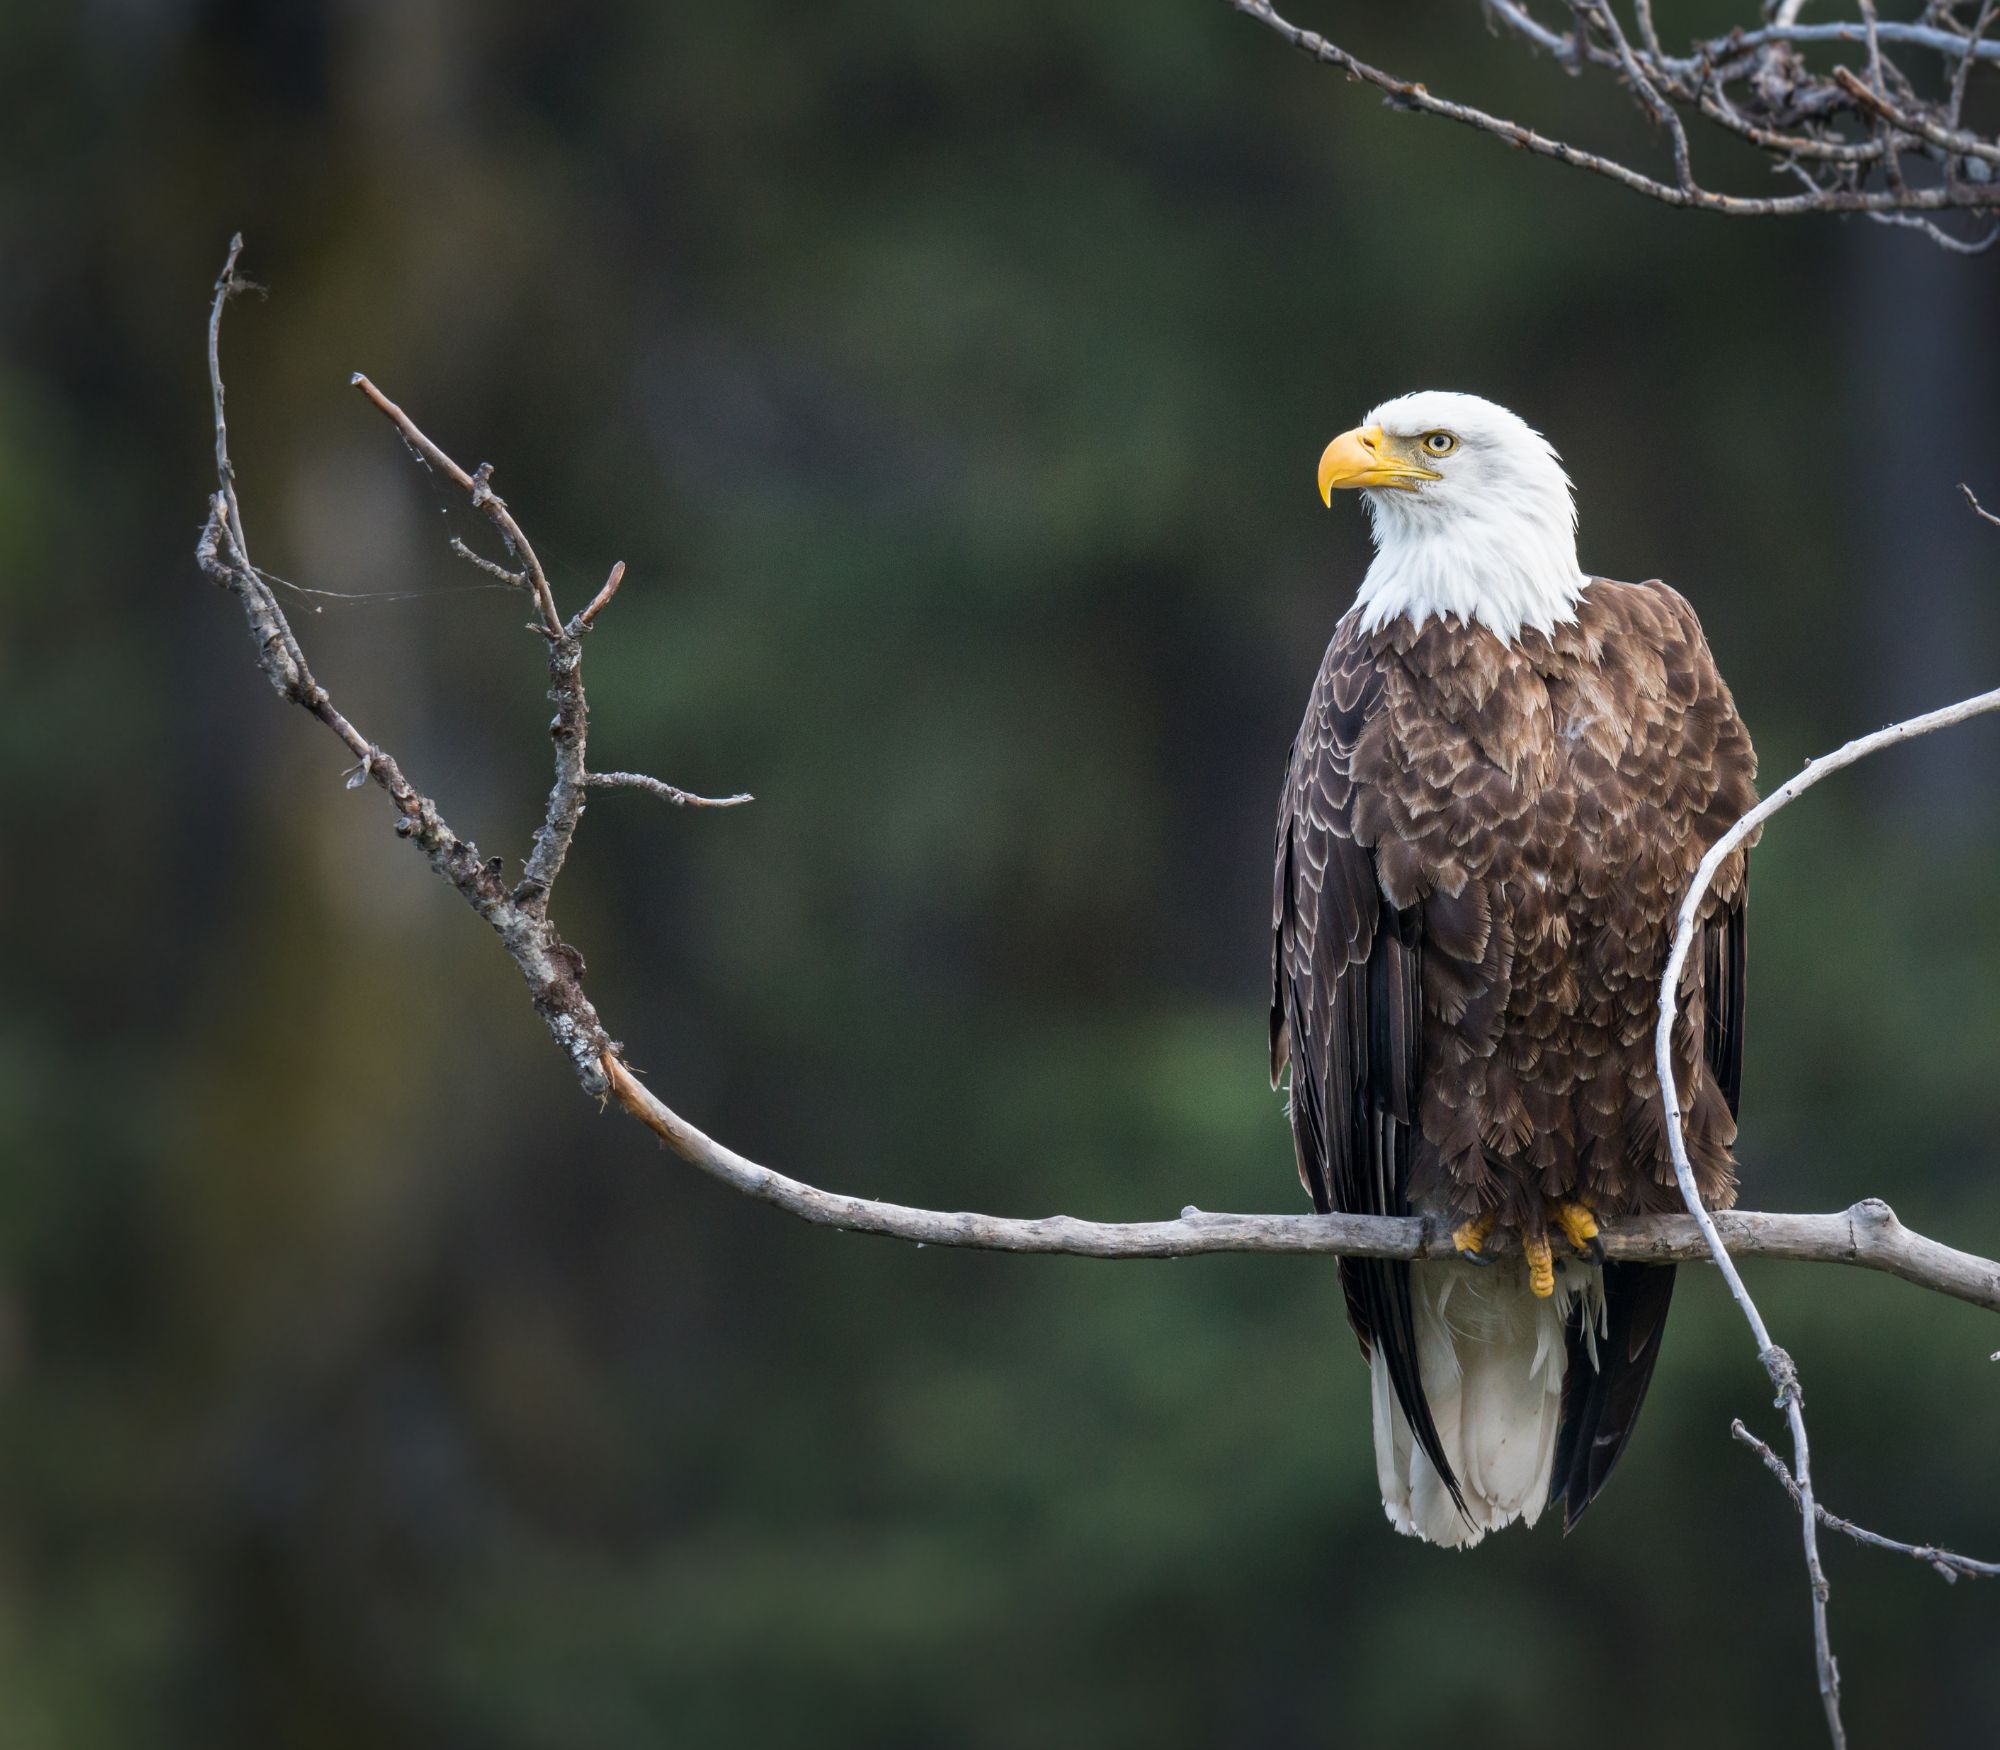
[{"x": 1493, "y": 1359}]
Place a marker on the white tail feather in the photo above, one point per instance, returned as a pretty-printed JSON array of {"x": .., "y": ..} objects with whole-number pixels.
[{"x": 1491, "y": 1357}]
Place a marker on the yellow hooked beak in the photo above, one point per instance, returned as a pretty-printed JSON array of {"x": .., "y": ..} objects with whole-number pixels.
[{"x": 1364, "y": 457}]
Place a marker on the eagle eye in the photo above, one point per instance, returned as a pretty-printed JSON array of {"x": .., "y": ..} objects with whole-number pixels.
[{"x": 1439, "y": 443}]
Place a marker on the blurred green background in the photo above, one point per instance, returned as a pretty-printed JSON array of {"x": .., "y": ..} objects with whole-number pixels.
[{"x": 951, "y": 378}]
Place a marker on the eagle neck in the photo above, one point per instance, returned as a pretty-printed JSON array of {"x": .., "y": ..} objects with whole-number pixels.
[{"x": 1511, "y": 569}]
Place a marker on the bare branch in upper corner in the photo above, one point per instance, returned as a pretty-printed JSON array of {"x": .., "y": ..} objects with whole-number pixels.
[
  {"x": 1978, "y": 509},
  {"x": 1880, "y": 142}
]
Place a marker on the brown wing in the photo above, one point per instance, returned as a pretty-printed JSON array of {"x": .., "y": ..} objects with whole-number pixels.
[
  {"x": 1346, "y": 1015},
  {"x": 1601, "y": 1403}
]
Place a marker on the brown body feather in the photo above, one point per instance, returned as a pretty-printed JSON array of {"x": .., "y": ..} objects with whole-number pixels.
[{"x": 1481, "y": 850}]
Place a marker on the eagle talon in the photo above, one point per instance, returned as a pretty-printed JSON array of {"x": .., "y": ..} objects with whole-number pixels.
[
  {"x": 1579, "y": 1227},
  {"x": 1468, "y": 1239},
  {"x": 1541, "y": 1265}
]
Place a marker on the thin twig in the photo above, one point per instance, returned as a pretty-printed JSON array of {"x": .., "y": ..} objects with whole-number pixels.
[
  {"x": 1980, "y": 26},
  {"x": 600, "y": 601},
  {"x": 1916, "y": 36},
  {"x": 1649, "y": 34},
  {"x": 1946, "y": 139},
  {"x": 666, "y": 792},
  {"x": 516, "y": 579},
  {"x": 1669, "y": 117},
  {"x": 1948, "y": 1564},
  {"x": 483, "y": 498},
  {"x": 1872, "y": 28}
]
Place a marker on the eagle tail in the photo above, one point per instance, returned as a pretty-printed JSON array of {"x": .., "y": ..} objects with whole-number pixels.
[
  {"x": 1609, "y": 1370},
  {"x": 1492, "y": 1359}
]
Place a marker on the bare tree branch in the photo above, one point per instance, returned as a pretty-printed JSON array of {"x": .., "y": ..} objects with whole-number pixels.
[
  {"x": 1758, "y": 85},
  {"x": 1950, "y": 1566},
  {"x": 1868, "y": 1234},
  {"x": 1777, "y": 1363}
]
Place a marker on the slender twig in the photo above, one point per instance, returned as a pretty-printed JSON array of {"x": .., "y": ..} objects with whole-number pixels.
[
  {"x": 1871, "y": 27},
  {"x": 517, "y": 579},
  {"x": 483, "y": 498},
  {"x": 1938, "y": 235},
  {"x": 1949, "y": 1565},
  {"x": 1916, "y": 36},
  {"x": 602, "y": 599},
  {"x": 1946, "y": 139},
  {"x": 666, "y": 792},
  {"x": 1607, "y": 21},
  {"x": 1717, "y": 108},
  {"x": 1777, "y": 1363},
  {"x": 1963, "y": 73},
  {"x": 1649, "y": 35},
  {"x": 1978, "y": 509}
]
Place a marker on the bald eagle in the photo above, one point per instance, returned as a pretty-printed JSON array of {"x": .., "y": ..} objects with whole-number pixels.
[{"x": 1507, "y": 773}]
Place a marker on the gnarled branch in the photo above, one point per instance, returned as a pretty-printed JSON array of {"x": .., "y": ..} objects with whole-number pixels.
[{"x": 1848, "y": 140}]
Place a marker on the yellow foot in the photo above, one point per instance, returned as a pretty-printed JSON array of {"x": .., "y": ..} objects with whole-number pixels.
[
  {"x": 1579, "y": 1227},
  {"x": 1541, "y": 1265},
  {"x": 1469, "y": 1237}
]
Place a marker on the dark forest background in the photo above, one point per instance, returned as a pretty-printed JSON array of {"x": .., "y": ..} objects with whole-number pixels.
[{"x": 951, "y": 377}]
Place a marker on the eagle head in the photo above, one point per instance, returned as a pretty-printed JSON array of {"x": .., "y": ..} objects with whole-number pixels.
[{"x": 1472, "y": 514}]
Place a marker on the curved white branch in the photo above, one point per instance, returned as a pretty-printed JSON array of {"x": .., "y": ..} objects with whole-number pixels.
[{"x": 1784, "y": 1375}]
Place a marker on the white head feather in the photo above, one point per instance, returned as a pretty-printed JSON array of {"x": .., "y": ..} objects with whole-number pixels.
[{"x": 1492, "y": 540}]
